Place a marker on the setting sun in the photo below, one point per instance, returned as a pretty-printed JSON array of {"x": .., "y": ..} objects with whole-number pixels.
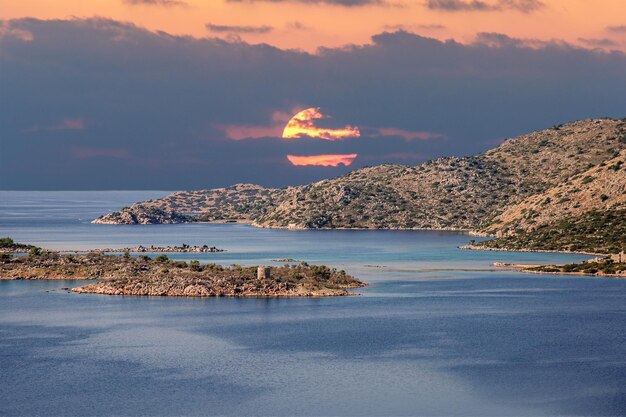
[{"x": 303, "y": 124}]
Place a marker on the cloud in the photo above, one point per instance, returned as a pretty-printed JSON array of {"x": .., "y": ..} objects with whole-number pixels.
[
  {"x": 409, "y": 28},
  {"x": 322, "y": 160},
  {"x": 238, "y": 29},
  {"x": 65, "y": 124},
  {"x": 160, "y": 100},
  {"x": 344, "y": 3},
  {"x": 163, "y": 3},
  {"x": 524, "y": 6},
  {"x": 297, "y": 26},
  {"x": 239, "y": 132},
  {"x": 6, "y": 30},
  {"x": 616, "y": 28},
  {"x": 88, "y": 153},
  {"x": 407, "y": 134},
  {"x": 598, "y": 43}
]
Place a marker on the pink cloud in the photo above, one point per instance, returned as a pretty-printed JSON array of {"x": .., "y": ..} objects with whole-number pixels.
[
  {"x": 7, "y": 31},
  {"x": 239, "y": 132},
  {"x": 65, "y": 124},
  {"x": 87, "y": 153},
  {"x": 409, "y": 135}
]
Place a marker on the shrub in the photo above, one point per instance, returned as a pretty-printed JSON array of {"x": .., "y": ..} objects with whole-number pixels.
[
  {"x": 34, "y": 251},
  {"x": 6, "y": 242},
  {"x": 162, "y": 258}
]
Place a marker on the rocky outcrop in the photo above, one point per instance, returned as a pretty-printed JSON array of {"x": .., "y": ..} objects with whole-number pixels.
[
  {"x": 143, "y": 214},
  {"x": 184, "y": 248}
]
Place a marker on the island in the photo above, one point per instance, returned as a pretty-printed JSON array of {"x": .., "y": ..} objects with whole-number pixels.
[
  {"x": 184, "y": 248},
  {"x": 143, "y": 276}
]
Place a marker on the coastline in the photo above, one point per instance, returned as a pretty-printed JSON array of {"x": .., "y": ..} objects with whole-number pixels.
[
  {"x": 481, "y": 248},
  {"x": 527, "y": 268}
]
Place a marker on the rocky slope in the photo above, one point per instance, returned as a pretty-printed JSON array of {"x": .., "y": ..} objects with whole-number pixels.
[
  {"x": 487, "y": 192},
  {"x": 600, "y": 188},
  {"x": 126, "y": 275}
]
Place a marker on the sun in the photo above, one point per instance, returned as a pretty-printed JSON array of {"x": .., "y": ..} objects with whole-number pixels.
[{"x": 303, "y": 124}]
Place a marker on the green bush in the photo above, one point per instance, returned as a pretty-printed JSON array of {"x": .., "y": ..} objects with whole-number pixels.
[
  {"x": 162, "y": 258},
  {"x": 194, "y": 265}
]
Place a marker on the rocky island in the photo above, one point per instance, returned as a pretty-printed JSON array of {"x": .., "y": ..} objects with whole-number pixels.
[
  {"x": 184, "y": 248},
  {"x": 129, "y": 275},
  {"x": 561, "y": 188}
]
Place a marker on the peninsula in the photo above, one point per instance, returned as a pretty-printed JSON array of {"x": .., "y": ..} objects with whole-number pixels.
[
  {"x": 129, "y": 275},
  {"x": 561, "y": 188},
  {"x": 601, "y": 267}
]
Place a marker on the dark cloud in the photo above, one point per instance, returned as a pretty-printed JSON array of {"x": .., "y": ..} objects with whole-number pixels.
[
  {"x": 525, "y": 6},
  {"x": 424, "y": 26},
  {"x": 238, "y": 29},
  {"x": 598, "y": 43},
  {"x": 165, "y": 3},
  {"x": 297, "y": 26},
  {"x": 154, "y": 107},
  {"x": 616, "y": 28},
  {"x": 345, "y": 3}
]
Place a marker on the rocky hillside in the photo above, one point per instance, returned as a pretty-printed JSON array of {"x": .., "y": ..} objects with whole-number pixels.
[
  {"x": 240, "y": 202},
  {"x": 597, "y": 231},
  {"x": 471, "y": 192},
  {"x": 584, "y": 213},
  {"x": 601, "y": 188}
]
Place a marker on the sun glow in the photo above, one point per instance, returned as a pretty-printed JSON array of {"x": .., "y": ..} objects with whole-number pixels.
[
  {"x": 303, "y": 124},
  {"x": 322, "y": 160}
]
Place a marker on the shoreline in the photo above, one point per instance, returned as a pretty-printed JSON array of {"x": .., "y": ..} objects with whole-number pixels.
[
  {"x": 527, "y": 269},
  {"x": 480, "y": 248}
]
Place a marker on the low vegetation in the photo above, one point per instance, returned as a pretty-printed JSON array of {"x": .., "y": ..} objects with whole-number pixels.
[
  {"x": 596, "y": 232},
  {"x": 8, "y": 245},
  {"x": 605, "y": 267}
]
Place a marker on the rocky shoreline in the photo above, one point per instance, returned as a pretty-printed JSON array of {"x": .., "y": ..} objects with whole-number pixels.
[
  {"x": 486, "y": 248},
  {"x": 590, "y": 268},
  {"x": 127, "y": 275}
]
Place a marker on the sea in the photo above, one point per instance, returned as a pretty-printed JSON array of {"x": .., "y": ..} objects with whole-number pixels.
[{"x": 438, "y": 331}]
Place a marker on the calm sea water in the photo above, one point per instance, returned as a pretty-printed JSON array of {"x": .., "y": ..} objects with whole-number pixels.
[{"x": 437, "y": 332}]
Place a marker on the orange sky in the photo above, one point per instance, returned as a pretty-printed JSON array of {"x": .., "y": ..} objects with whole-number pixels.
[{"x": 293, "y": 24}]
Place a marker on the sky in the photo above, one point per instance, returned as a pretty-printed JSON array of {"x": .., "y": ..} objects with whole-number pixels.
[{"x": 189, "y": 94}]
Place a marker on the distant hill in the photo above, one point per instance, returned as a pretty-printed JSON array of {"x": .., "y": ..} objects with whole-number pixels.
[{"x": 529, "y": 181}]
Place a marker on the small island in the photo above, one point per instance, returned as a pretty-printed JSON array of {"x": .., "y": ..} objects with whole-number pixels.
[
  {"x": 183, "y": 248},
  {"x": 142, "y": 275}
]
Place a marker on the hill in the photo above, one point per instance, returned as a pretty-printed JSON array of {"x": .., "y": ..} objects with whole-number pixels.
[{"x": 527, "y": 181}]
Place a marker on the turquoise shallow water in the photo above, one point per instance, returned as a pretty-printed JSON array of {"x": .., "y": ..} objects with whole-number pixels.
[{"x": 437, "y": 332}]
